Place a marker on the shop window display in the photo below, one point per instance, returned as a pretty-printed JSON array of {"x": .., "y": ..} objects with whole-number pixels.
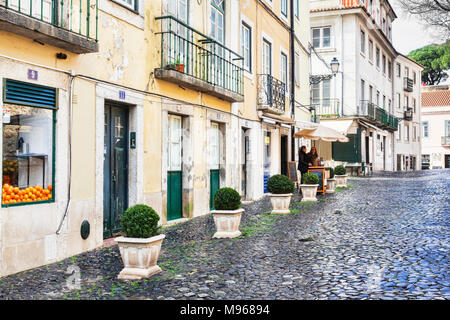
[{"x": 28, "y": 154}]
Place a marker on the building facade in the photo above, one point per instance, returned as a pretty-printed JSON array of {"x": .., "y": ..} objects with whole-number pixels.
[
  {"x": 360, "y": 99},
  {"x": 435, "y": 127},
  {"x": 112, "y": 103},
  {"x": 407, "y": 108}
]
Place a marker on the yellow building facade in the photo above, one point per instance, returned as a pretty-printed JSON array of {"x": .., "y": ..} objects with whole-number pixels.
[{"x": 115, "y": 103}]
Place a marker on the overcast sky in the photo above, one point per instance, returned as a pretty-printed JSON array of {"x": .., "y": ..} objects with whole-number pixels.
[{"x": 408, "y": 33}]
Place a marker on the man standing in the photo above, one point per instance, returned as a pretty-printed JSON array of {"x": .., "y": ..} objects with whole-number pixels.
[{"x": 303, "y": 163}]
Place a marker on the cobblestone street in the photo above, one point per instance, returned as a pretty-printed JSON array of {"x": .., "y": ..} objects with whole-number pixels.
[{"x": 384, "y": 237}]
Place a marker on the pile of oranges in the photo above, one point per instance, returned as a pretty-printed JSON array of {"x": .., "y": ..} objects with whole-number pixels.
[{"x": 15, "y": 195}]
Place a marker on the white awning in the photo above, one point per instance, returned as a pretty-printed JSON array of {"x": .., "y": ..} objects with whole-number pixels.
[{"x": 341, "y": 126}]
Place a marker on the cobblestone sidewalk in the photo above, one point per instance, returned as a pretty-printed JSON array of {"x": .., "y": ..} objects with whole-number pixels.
[{"x": 384, "y": 237}]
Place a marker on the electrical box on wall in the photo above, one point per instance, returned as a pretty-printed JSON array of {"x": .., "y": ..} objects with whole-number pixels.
[{"x": 132, "y": 140}]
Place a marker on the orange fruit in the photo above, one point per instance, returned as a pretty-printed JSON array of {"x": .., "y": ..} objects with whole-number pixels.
[
  {"x": 6, "y": 186},
  {"x": 16, "y": 190},
  {"x": 8, "y": 197},
  {"x": 50, "y": 187},
  {"x": 16, "y": 197},
  {"x": 49, "y": 196}
]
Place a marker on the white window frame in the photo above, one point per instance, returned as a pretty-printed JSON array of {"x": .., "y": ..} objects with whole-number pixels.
[
  {"x": 371, "y": 46},
  {"x": 362, "y": 48},
  {"x": 247, "y": 67},
  {"x": 284, "y": 52},
  {"x": 425, "y": 124},
  {"x": 285, "y": 17},
  {"x": 267, "y": 39},
  {"x": 321, "y": 37},
  {"x": 171, "y": 142},
  {"x": 124, "y": 3}
]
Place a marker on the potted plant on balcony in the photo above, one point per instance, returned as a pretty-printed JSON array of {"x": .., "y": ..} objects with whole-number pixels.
[
  {"x": 331, "y": 181},
  {"x": 227, "y": 213},
  {"x": 178, "y": 65},
  {"x": 309, "y": 186},
  {"x": 141, "y": 243},
  {"x": 341, "y": 176},
  {"x": 280, "y": 188}
]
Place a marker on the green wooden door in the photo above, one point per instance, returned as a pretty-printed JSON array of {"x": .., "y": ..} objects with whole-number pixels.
[
  {"x": 174, "y": 192},
  {"x": 214, "y": 186},
  {"x": 115, "y": 168},
  {"x": 174, "y": 171},
  {"x": 214, "y": 148}
]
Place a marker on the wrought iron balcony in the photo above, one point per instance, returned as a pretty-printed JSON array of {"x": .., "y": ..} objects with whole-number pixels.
[
  {"x": 377, "y": 115},
  {"x": 271, "y": 94},
  {"x": 445, "y": 141},
  {"x": 408, "y": 84},
  {"x": 408, "y": 114},
  {"x": 326, "y": 108},
  {"x": 70, "y": 25},
  {"x": 193, "y": 60}
]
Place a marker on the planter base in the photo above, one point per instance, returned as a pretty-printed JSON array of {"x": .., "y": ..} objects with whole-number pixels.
[
  {"x": 138, "y": 273},
  {"x": 224, "y": 234},
  {"x": 309, "y": 192},
  {"x": 280, "y": 203},
  {"x": 281, "y": 211},
  {"x": 227, "y": 223}
]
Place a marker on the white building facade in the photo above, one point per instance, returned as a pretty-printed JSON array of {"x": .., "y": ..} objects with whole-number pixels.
[
  {"x": 407, "y": 86},
  {"x": 435, "y": 122},
  {"x": 360, "y": 99}
]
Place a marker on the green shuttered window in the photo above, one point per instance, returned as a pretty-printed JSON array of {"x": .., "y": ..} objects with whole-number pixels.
[{"x": 29, "y": 94}]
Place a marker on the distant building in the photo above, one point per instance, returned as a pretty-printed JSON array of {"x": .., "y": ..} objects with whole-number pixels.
[
  {"x": 435, "y": 115},
  {"x": 372, "y": 97}
]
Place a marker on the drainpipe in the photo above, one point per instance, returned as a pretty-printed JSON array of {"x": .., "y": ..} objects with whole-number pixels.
[
  {"x": 342, "y": 63},
  {"x": 69, "y": 162},
  {"x": 292, "y": 69}
]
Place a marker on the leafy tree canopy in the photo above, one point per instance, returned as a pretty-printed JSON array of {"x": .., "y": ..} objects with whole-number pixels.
[{"x": 436, "y": 61}]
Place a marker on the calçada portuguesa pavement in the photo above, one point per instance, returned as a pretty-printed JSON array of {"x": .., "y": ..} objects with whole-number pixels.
[{"x": 384, "y": 237}]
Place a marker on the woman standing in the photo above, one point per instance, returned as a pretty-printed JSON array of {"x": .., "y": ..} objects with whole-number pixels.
[{"x": 314, "y": 157}]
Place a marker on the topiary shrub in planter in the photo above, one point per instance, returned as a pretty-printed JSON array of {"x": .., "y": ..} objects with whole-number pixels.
[
  {"x": 340, "y": 173},
  {"x": 309, "y": 187},
  {"x": 227, "y": 213},
  {"x": 280, "y": 188},
  {"x": 140, "y": 244},
  {"x": 331, "y": 182},
  {"x": 280, "y": 184}
]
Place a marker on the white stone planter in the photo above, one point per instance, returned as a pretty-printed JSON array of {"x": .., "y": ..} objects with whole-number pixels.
[
  {"x": 139, "y": 256},
  {"x": 227, "y": 223},
  {"x": 331, "y": 185},
  {"x": 309, "y": 192},
  {"x": 280, "y": 203},
  {"x": 341, "y": 180}
]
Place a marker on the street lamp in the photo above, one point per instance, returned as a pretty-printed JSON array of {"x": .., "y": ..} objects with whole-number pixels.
[{"x": 334, "y": 64}]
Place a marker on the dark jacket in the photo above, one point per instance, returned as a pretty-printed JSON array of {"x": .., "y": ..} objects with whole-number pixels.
[{"x": 303, "y": 161}]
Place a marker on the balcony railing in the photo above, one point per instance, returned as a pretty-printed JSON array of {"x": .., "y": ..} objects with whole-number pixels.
[
  {"x": 445, "y": 141},
  {"x": 407, "y": 84},
  {"x": 326, "y": 108},
  {"x": 408, "y": 114},
  {"x": 377, "y": 115},
  {"x": 190, "y": 58},
  {"x": 271, "y": 94},
  {"x": 76, "y": 16}
]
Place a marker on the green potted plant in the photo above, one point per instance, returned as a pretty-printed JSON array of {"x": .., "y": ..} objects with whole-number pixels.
[
  {"x": 309, "y": 187},
  {"x": 280, "y": 189},
  {"x": 141, "y": 242},
  {"x": 331, "y": 182},
  {"x": 178, "y": 65},
  {"x": 340, "y": 174},
  {"x": 227, "y": 213}
]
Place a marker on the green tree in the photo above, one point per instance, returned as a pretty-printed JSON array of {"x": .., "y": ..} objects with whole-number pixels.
[{"x": 436, "y": 62}]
